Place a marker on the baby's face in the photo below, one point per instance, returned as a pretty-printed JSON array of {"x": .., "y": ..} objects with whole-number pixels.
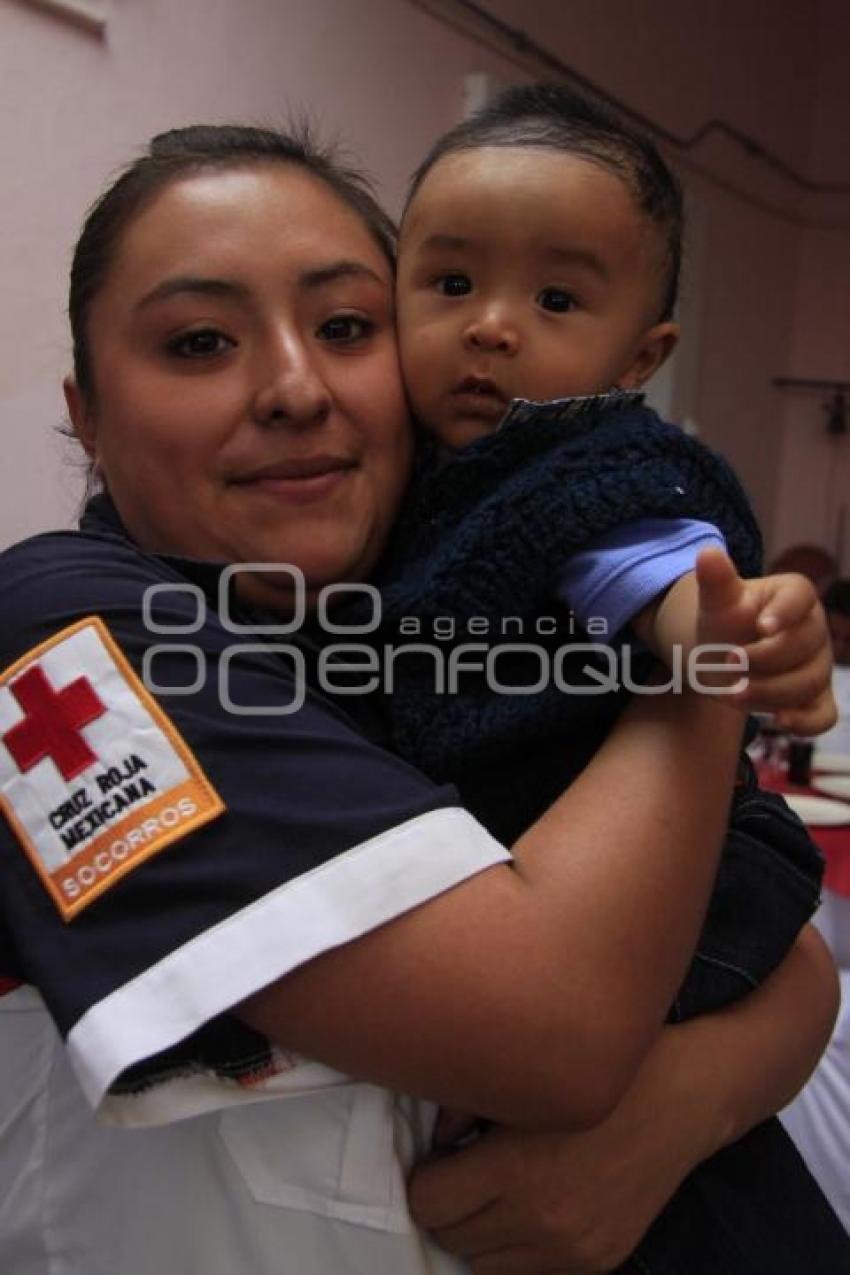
[{"x": 523, "y": 273}]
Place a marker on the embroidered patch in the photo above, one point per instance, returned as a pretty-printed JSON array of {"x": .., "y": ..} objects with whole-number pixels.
[{"x": 94, "y": 778}]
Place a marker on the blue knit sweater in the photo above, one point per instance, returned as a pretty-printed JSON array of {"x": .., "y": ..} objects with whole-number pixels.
[{"x": 484, "y": 534}]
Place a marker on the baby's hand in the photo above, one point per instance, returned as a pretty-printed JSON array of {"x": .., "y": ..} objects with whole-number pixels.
[{"x": 781, "y": 627}]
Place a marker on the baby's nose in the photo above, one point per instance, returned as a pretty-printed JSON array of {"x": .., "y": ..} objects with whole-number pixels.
[{"x": 493, "y": 331}]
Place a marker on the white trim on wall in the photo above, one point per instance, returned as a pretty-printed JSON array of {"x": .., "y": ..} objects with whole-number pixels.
[{"x": 91, "y": 15}]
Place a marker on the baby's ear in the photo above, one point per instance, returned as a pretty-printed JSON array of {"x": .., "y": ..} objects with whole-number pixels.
[
  {"x": 655, "y": 347},
  {"x": 81, "y": 419}
]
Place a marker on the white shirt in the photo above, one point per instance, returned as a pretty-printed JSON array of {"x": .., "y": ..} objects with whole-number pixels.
[{"x": 299, "y": 1185}]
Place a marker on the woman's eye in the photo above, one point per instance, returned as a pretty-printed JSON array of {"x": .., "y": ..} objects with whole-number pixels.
[
  {"x": 204, "y": 343},
  {"x": 454, "y": 285},
  {"x": 345, "y": 328},
  {"x": 556, "y": 300}
]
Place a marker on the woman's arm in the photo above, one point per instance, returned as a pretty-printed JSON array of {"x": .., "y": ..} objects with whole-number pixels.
[
  {"x": 583, "y": 1201},
  {"x": 775, "y": 1037},
  {"x": 530, "y": 994}
]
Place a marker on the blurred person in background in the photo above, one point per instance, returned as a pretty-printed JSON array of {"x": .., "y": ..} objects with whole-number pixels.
[{"x": 810, "y": 560}]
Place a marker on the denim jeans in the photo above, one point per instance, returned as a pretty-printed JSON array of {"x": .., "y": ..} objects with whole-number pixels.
[
  {"x": 767, "y": 887},
  {"x": 752, "y": 1209}
]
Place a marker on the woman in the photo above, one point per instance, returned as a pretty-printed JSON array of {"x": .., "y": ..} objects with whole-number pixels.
[{"x": 198, "y": 916}]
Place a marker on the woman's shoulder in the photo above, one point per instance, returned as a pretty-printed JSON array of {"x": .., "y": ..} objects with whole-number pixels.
[
  {"x": 85, "y": 563},
  {"x": 53, "y": 580}
]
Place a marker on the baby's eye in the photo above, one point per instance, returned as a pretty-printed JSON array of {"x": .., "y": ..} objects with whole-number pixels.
[
  {"x": 203, "y": 343},
  {"x": 343, "y": 329},
  {"x": 454, "y": 285},
  {"x": 557, "y": 300}
]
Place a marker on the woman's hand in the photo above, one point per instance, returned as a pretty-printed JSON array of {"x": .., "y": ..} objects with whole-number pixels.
[
  {"x": 523, "y": 1203},
  {"x": 528, "y": 1203}
]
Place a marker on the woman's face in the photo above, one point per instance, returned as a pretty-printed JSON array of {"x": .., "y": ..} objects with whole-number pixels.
[{"x": 248, "y": 404}]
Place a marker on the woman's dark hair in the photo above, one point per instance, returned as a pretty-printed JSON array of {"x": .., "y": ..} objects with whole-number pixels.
[
  {"x": 555, "y": 117},
  {"x": 181, "y": 153}
]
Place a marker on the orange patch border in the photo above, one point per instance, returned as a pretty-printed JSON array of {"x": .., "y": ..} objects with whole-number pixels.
[{"x": 213, "y": 804}]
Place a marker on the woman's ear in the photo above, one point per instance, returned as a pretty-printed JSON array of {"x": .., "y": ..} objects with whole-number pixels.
[
  {"x": 81, "y": 418},
  {"x": 655, "y": 347}
]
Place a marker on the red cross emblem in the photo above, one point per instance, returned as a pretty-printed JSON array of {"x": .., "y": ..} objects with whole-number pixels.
[{"x": 53, "y": 722}]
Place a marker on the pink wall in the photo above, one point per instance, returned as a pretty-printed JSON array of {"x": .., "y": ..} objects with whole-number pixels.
[
  {"x": 389, "y": 77},
  {"x": 73, "y": 108},
  {"x": 814, "y": 489},
  {"x": 684, "y": 61},
  {"x": 760, "y": 66}
]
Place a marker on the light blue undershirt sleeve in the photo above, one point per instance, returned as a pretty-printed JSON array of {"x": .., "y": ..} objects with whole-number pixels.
[{"x": 621, "y": 572}]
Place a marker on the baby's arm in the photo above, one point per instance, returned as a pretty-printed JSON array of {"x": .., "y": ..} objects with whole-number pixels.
[{"x": 783, "y": 664}]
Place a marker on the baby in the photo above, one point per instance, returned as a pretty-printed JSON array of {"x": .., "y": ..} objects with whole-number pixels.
[
  {"x": 538, "y": 269},
  {"x": 539, "y": 259}
]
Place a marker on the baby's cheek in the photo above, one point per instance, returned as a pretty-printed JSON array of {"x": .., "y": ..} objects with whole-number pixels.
[{"x": 417, "y": 373}]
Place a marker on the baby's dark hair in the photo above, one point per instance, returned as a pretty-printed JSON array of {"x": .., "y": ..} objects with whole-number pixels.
[
  {"x": 555, "y": 117},
  {"x": 182, "y": 153}
]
